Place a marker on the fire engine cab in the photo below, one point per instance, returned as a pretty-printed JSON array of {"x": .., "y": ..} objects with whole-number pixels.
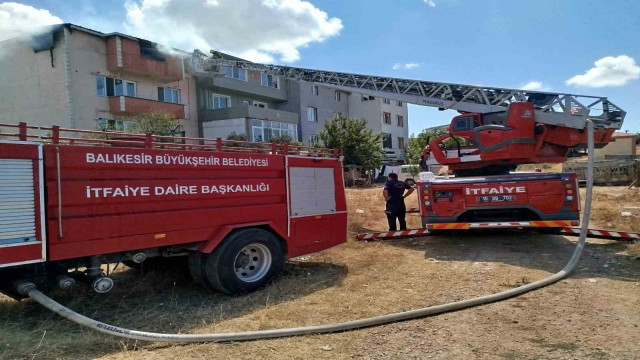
[
  {"x": 515, "y": 200},
  {"x": 75, "y": 200}
]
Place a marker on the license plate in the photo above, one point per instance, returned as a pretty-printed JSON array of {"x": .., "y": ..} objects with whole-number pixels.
[{"x": 494, "y": 198}]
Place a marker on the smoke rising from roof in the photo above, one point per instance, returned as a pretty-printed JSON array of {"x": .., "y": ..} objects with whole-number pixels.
[
  {"x": 18, "y": 19},
  {"x": 254, "y": 30}
]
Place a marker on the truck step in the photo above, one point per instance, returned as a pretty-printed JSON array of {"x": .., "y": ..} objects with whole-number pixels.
[
  {"x": 560, "y": 225},
  {"x": 603, "y": 234}
]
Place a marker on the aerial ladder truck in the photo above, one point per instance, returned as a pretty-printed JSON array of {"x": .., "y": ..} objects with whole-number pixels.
[{"x": 502, "y": 128}]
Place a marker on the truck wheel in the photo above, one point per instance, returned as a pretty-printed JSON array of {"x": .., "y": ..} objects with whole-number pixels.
[
  {"x": 197, "y": 269},
  {"x": 244, "y": 262}
]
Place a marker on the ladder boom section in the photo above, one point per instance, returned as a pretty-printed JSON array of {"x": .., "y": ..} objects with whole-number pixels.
[{"x": 560, "y": 109}]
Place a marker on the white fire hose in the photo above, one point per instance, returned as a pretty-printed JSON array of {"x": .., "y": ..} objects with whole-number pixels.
[{"x": 30, "y": 290}]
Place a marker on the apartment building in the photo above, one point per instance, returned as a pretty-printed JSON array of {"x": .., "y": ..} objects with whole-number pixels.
[
  {"x": 387, "y": 117},
  {"x": 243, "y": 102},
  {"x": 318, "y": 104},
  {"x": 79, "y": 78},
  {"x": 315, "y": 105}
]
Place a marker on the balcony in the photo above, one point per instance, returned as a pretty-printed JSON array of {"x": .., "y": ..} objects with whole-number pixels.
[
  {"x": 126, "y": 105},
  {"x": 251, "y": 87},
  {"x": 141, "y": 57},
  {"x": 247, "y": 111}
]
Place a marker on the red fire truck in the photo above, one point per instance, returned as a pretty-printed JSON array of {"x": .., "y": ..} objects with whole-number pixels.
[
  {"x": 549, "y": 200},
  {"x": 503, "y": 128},
  {"x": 236, "y": 209}
]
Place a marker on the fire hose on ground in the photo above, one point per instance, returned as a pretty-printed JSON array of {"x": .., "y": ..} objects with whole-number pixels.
[{"x": 30, "y": 290}]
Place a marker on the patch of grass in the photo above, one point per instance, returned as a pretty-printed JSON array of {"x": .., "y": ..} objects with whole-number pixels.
[{"x": 563, "y": 346}]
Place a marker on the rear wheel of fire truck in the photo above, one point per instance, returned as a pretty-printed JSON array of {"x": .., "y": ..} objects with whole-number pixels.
[{"x": 245, "y": 261}]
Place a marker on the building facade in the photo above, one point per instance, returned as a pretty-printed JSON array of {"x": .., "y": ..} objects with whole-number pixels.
[
  {"x": 83, "y": 79},
  {"x": 79, "y": 78},
  {"x": 386, "y": 117},
  {"x": 243, "y": 102},
  {"x": 317, "y": 104}
]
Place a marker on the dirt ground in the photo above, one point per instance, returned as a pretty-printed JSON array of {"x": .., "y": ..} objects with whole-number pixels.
[{"x": 592, "y": 315}]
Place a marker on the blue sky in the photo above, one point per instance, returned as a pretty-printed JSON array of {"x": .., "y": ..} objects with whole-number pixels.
[{"x": 490, "y": 42}]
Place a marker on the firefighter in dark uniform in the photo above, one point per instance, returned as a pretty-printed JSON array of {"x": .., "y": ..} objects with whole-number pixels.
[{"x": 394, "y": 196}]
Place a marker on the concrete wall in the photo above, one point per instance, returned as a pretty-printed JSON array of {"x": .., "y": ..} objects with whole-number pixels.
[
  {"x": 393, "y": 129},
  {"x": 620, "y": 146},
  {"x": 252, "y": 87},
  {"x": 224, "y": 128},
  {"x": 326, "y": 104},
  {"x": 301, "y": 98},
  {"x": 32, "y": 84},
  {"x": 237, "y": 99},
  {"x": 372, "y": 111},
  {"x": 88, "y": 58}
]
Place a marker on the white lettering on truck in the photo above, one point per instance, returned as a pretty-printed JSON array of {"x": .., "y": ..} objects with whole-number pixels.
[
  {"x": 168, "y": 159},
  {"x": 177, "y": 189},
  {"x": 118, "y": 158},
  {"x": 496, "y": 190}
]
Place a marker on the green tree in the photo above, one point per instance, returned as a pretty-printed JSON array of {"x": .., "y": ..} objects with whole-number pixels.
[
  {"x": 237, "y": 137},
  {"x": 359, "y": 144},
  {"x": 284, "y": 139},
  {"x": 416, "y": 144},
  {"x": 157, "y": 123}
]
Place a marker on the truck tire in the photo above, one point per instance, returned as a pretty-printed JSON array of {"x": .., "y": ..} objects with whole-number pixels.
[
  {"x": 245, "y": 261},
  {"x": 197, "y": 269}
]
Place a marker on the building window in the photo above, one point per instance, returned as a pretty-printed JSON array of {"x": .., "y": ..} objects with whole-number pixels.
[
  {"x": 269, "y": 80},
  {"x": 263, "y": 130},
  {"x": 338, "y": 95},
  {"x": 169, "y": 95},
  {"x": 245, "y": 102},
  {"x": 235, "y": 73},
  {"x": 313, "y": 139},
  {"x": 312, "y": 114},
  {"x": 399, "y": 103},
  {"x": 401, "y": 142},
  {"x": 386, "y": 141},
  {"x": 260, "y": 104},
  {"x": 386, "y": 118},
  {"x": 400, "y": 120},
  {"x": 221, "y": 101},
  {"x": 386, "y": 101},
  {"x": 314, "y": 89},
  {"x": 106, "y": 86},
  {"x": 101, "y": 87},
  {"x": 368, "y": 98}
]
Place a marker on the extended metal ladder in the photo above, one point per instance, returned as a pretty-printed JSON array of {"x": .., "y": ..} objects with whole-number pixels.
[{"x": 560, "y": 109}]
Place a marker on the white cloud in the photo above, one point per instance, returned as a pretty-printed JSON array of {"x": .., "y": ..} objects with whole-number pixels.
[
  {"x": 17, "y": 19},
  {"x": 535, "y": 86},
  {"x": 407, "y": 66},
  {"x": 431, "y": 3},
  {"x": 608, "y": 71},
  {"x": 255, "y": 30}
]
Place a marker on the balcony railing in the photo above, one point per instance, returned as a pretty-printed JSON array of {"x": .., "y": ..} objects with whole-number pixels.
[
  {"x": 127, "y": 105},
  {"x": 142, "y": 58},
  {"x": 245, "y": 111}
]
